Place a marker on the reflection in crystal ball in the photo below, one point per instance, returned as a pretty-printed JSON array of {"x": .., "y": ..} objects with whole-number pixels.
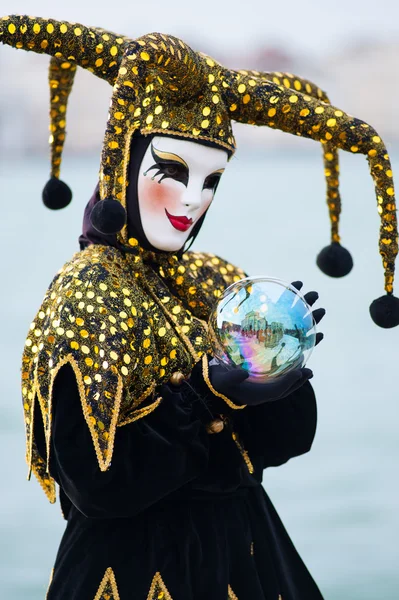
[{"x": 263, "y": 325}]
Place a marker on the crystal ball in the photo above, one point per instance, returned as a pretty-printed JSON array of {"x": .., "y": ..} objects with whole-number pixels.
[{"x": 263, "y": 325}]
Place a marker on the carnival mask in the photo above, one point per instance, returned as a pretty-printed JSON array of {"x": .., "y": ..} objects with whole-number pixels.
[{"x": 176, "y": 184}]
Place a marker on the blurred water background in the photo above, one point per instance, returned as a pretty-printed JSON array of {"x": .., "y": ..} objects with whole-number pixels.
[{"x": 339, "y": 502}]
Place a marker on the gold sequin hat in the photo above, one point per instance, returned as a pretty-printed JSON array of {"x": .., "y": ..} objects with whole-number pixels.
[{"x": 160, "y": 85}]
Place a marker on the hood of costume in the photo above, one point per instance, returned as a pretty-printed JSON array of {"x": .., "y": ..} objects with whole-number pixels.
[{"x": 124, "y": 316}]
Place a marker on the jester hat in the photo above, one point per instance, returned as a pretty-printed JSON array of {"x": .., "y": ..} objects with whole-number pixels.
[{"x": 160, "y": 85}]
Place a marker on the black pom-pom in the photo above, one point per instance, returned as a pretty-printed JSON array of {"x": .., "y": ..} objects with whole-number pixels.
[
  {"x": 56, "y": 194},
  {"x": 385, "y": 311},
  {"x": 335, "y": 260},
  {"x": 108, "y": 216}
]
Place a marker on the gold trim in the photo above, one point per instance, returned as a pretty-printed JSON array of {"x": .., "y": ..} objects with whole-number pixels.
[
  {"x": 205, "y": 374},
  {"x": 49, "y": 583},
  {"x": 50, "y": 489},
  {"x": 103, "y": 463},
  {"x": 157, "y": 586},
  {"x": 29, "y": 436},
  {"x": 231, "y": 594},
  {"x": 230, "y": 147},
  {"x": 50, "y": 493},
  {"x": 141, "y": 412},
  {"x": 243, "y": 452},
  {"x": 44, "y": 412},
  {"x": 144, "y": 395},
  {"x": 109, "y": 578}
]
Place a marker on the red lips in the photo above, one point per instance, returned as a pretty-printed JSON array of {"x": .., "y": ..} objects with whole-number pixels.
[{"x": 179, "y": 223}]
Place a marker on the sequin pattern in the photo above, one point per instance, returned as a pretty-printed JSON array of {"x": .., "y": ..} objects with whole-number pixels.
[
  {"x": 61, "y": 77},
  {"x": 92, "y": 48},
  {"x": 115, "y": 321},
  {"x": 161, "y": 85}
]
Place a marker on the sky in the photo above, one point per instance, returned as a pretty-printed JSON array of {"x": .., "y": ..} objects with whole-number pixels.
[{"x": 308, "y": 25}]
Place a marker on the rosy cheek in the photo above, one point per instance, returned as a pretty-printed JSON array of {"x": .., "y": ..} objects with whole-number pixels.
[{"x": 157, "y": 196}]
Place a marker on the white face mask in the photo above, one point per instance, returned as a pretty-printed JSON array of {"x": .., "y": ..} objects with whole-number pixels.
[{"x": 176, "y": 184}]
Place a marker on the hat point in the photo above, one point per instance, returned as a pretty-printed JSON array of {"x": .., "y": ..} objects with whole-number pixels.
[
  {"x": 56, "y": 194},
  {"x": 335, "y": 260}
]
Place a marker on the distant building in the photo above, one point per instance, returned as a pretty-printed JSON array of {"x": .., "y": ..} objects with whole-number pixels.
[
  {"x": 257, "y": 326},
  {"x": 253, "y": 321}
]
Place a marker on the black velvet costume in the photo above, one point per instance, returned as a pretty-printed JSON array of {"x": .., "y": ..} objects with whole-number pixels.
[{"x": 177, "y": 515}]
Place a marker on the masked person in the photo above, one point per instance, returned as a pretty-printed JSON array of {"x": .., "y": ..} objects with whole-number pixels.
[{"x": 158, "y": 452}]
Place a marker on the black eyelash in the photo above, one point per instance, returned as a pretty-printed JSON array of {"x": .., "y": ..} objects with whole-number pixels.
[{"x": 180, "y": 173}]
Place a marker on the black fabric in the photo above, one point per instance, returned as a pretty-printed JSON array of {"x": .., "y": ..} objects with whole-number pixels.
[
  {"x": 90, "y": 235},
  {"x": 108, "y": 217},
  {"x": 138, "y": 148},
  {"x": 177, "y": 500}
]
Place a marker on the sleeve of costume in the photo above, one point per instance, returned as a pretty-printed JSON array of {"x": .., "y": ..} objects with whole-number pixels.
[
  {"x": 152, "y": 457},
  {"x": 276, "y": 431}
]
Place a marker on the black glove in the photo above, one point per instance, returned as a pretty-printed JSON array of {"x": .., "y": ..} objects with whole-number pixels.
[
  {"x": 231, "y": 381},
  {"x": 318, "y": 314}
]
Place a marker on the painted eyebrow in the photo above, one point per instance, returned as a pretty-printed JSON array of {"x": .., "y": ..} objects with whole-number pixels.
[
  {"x": 218, "y": 172},
  {"x": 168, "y": 156}
]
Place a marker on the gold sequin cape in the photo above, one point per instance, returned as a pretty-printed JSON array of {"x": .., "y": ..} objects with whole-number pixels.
[
  {"x": 161, "y": 85},
  {"x": 113, "y": 318}
]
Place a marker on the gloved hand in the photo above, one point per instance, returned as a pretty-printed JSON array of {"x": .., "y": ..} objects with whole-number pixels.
[
  {"x": 231, "y": 382},
  {"x": 318, "y": 314}
]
